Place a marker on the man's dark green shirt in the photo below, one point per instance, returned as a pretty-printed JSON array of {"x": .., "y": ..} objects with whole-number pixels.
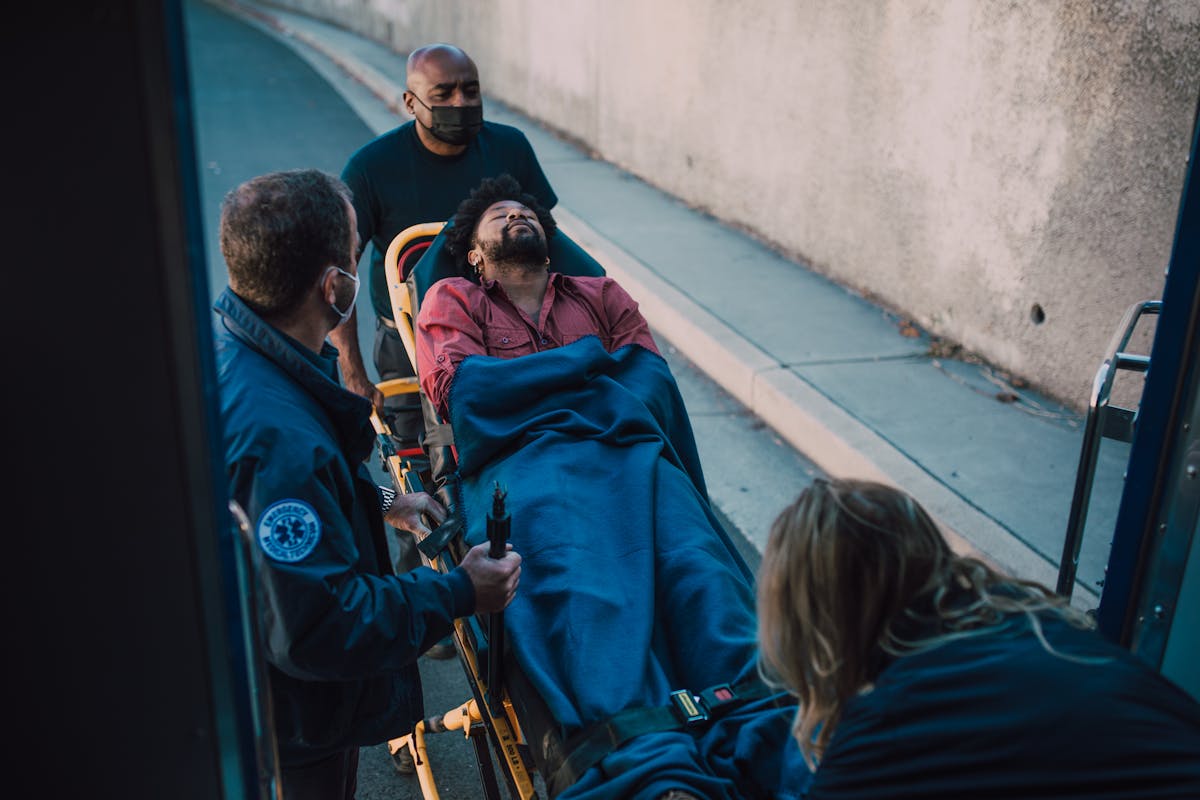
[{"x": 398, "y": 183}]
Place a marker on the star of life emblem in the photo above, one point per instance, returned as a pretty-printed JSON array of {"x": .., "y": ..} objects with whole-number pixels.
[{"x": 289, "y": 530}]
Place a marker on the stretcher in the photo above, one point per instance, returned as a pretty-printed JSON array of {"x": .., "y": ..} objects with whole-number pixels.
[{"x": 506, "y": 716}]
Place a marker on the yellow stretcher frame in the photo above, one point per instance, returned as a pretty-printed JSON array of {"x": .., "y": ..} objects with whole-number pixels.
[{"x": 474, "y": 717}]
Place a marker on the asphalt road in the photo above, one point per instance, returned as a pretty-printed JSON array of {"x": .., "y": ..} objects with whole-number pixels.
[{"x": 257, "y": 107}]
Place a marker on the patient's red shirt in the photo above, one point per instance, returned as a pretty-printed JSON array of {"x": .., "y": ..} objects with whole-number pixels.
[{"x": 459, "y": 318}]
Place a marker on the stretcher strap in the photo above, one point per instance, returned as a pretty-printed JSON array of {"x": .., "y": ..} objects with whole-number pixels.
[
  {"x": 433, "y": 544},
  {"x": 438, "y": 435},
  {"x": 687, "y": 711}
]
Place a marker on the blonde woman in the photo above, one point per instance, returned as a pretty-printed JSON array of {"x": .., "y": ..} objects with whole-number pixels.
[{"x": 921, "y": 673}]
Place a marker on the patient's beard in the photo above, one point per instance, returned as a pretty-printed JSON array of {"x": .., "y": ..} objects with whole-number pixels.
[{"x": 524, "y": 250}]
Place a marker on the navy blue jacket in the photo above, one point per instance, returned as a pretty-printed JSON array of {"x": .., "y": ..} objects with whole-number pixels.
[
  {"x": 341, "y": 632},
  {"x": 996, "y": 715}
]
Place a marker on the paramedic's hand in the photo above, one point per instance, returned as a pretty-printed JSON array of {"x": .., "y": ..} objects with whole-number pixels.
[
  {"x": 354, "y": 371},
  {"x": 360, "y": 384},
  {"x": 407, "y": 510},
  {"x": 495, "y": 579}
]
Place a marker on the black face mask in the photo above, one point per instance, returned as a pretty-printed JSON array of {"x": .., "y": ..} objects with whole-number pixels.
[{"x": 456, "y": 125}]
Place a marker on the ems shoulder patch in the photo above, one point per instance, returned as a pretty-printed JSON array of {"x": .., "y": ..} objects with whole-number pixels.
[{"x": 289, "y": 530}]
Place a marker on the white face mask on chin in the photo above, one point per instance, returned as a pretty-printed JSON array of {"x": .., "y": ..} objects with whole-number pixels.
[{"x": 345, "y": 315}]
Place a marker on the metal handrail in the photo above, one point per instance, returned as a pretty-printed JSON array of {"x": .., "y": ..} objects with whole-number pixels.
[{"x": 1093, "y": 431}]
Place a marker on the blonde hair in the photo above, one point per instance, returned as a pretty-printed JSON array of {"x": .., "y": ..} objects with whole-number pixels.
[{"x": 856, "y": 573}]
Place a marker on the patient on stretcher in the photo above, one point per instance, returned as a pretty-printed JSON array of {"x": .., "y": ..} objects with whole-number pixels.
[
  {"x": 519, "y": 305},
  {"x": 631, "y": 589}
]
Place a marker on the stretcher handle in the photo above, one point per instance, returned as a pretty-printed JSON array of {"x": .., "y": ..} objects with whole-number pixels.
[{"x": 498, "y": 526}]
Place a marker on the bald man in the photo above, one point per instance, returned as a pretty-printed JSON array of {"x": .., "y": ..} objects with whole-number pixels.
[{"x": 420, "y": 172}]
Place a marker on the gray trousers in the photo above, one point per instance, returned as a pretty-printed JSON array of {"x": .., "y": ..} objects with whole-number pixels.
[{"x": 332, "y": 778}]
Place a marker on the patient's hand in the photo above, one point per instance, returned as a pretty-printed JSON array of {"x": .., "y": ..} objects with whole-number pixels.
[
  {"x": 495, "y": 579},
  {"x": 407, "y": 509}
]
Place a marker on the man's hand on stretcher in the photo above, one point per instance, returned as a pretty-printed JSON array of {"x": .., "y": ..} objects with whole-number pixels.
[
  {"x": 362, "y": 385},
  {"x": 495, "y": 579},
  {"x": 407, "y": 513}
]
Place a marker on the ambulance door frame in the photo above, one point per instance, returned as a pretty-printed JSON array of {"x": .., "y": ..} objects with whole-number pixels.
[{"x": 1153, "y": 557}]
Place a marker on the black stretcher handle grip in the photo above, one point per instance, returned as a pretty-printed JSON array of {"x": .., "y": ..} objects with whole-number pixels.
[{"x": 498, "y": 524}]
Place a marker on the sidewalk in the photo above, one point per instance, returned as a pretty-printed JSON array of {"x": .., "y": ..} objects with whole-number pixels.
[{"x": 856, "y": 389}]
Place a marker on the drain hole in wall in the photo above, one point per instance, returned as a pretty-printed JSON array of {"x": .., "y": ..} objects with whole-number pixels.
[{"x": 1037, "y": 314}]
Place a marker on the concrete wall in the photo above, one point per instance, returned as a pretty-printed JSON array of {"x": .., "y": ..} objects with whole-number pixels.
[{"x": 960, "y": 161}]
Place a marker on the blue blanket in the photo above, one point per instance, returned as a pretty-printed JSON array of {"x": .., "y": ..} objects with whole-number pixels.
[{"x": 630, "y": 587}]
